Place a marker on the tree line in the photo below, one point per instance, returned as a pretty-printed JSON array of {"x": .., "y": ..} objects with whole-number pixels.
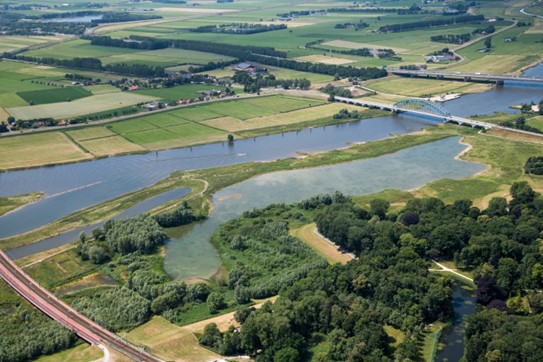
[
  {"x": 238, "y": 28},
  {"x": 141, "y": 70},
  {"x": 395, "y": 28},
  {"x": 253, "y": 84},
  {"x": 452, "y": 38}
]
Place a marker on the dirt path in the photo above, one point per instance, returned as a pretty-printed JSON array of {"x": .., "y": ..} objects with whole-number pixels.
[
  {"x": 449, "y": 270},
  {"x": 310, "y": 235},
  {"x": 223, "y": 321}
]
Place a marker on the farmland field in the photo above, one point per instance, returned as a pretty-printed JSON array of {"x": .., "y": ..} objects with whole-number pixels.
[
  {"x": 325, "y": 59},
  {"x": 176, "y": 136},
  {"x": 107, "y": 146},
  {"x": 232, "y": 124},
  {"x": 38, "y": 149},
  {"x": 9, "y": 43},
  {"x": 54, "y": 95},
  {"x": 79, "y": 107},
  {"x": 166, "y": 57},
  {"x": 90, "y": 133},
  {"x": 170, "y": 342}
]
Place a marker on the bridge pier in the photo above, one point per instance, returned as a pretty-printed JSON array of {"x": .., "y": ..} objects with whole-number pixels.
[
  {"x": 467, "y": 79},
  {"x": 499, "y": 82}
]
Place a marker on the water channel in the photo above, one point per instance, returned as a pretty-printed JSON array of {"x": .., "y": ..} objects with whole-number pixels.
[{"x": 69, "y": 188}]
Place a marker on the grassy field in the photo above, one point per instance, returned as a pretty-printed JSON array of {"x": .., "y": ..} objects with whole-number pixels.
[
  {"x": 416, "y": 87},
  {"x": 112, "y": 55},
  {"x": 11, "y": 203},
  {"x": 81, "y": 353},
  {"x": 54, "y": 95},
  {"x": 232, "y": 124},
  {"x": 169, "y": 342},
  {"x": 80, "y": 107},
  {"x": 60, "y": 269},
  {"x": 12, "y": 42},
  {"x": 322, "y": 247},
  {"x": 336, "y": 60},
  {"x": 109, "y": 146},
  {"x": 38, "y": 149}
]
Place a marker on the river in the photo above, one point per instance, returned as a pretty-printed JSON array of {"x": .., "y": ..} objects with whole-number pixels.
[{"x": 453, "y": 337}]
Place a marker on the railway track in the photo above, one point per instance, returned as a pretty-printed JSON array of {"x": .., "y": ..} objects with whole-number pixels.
[{"x": 56, "y": 309}]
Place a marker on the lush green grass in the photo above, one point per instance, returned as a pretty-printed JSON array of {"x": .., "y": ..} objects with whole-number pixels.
[
  {"x": 60, "y": 269},
  {"x": 80, "y": 107},
  {"x": 10, "y": 203},
  {"x": 38, "y": 149},
  {"x": 54, "y": 95},
  {"x": 81, "y": 353},
  {"x": 431, "y": 340},
  {"x": 506, "y": 158},
  {"x": 536, "y": 122}
]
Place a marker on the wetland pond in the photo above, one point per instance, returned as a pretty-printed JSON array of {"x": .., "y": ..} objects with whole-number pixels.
[{"x": 192, "y": 256}]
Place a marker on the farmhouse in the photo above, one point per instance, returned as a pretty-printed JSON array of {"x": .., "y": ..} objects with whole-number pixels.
[{"x": 245, "y": 67}]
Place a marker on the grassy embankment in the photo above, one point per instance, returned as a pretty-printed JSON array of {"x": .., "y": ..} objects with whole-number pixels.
[{"x": 11, "y": 203}]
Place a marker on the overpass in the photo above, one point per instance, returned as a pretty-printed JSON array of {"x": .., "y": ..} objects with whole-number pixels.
[
  {"x": 468, "y": 77},
  {"x": 421, "y": 107},
  {"x": 56, "y": 309}
]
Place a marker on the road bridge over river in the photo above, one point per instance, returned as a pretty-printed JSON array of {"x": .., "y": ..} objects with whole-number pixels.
[
  {"x": 497, "y": 78},
  {"x": 56, "y": 309},
  {"x": 421, "y": 107}
]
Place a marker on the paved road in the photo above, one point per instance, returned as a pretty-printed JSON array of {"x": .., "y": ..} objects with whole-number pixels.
[{"x": 65, "y": 315}]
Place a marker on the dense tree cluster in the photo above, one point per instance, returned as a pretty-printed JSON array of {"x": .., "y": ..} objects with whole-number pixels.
[
  {"x": 182, "y": 215},
  {"x": 336, "y": 91},
  {"x": 31, "y": 334},
  {"x": 112, "y": 17},
  {"x": 345, "y": 114},
  {"x": 16, "y": 24},
  {"x": 238, "y": 28},
  {"x": 501, "y": 244},
  {"x": 395, "y": 28},
  {"x": 345, "y": 305},
  {"x": 266, "y": 257},
  {"x": 534, "y": 166},
  {"x": 141, "y": 233},
  {"x": 115, "y": 308},
  {"x": 452, "y": 38},
  {"x": 485, "y": 31},
  {"x": 253, "y": 84},
  {"x": 356, "y": 26}
]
